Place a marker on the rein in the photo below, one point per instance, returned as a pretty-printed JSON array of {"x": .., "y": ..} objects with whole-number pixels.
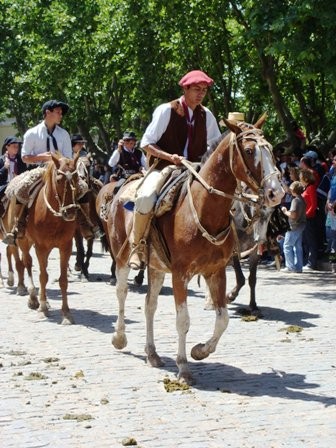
[
  {"x": 242, "y": 197},
  {"x": 62, "y": 208}
]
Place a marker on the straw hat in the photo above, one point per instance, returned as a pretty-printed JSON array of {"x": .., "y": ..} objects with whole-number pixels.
[{"x": 236, "y": 116}]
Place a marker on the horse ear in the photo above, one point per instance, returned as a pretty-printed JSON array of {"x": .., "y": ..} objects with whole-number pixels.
[
  {"x": 55, "y": 159},
  {"x": 77, "y": 155},
  {"x": 260, "y": 122},
  {"x": 232, "y": 126}
]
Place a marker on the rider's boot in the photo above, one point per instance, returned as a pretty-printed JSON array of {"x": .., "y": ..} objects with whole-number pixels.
[
  {"x": 17, "y": 224},
  {"x": 139, "y": 253}
]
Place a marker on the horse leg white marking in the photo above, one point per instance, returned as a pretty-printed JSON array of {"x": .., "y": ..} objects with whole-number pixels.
[
  {"x": 217, "y": 286},
  {"x": 208, "y": 303},
  {"x": 201, "y": 351},
  {"x": 182, "y": 326},
  {"x": 119, "y": 339},
  {"x": 155, "y": 282}
]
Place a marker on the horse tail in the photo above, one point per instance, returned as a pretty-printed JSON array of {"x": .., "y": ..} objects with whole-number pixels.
[{"x": 104, "y": 243}]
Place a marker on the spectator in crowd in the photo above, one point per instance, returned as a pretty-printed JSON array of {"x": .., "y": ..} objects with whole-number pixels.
[
  {"x": 292, "y": 247},
  {"x": 310, "y": 233},
  {"x": 331, "y": 214}
]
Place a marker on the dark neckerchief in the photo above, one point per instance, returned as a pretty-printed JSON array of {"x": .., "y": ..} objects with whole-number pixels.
[
  {"x": 52, "y": 137},
  {"x": 190, "y": 121}
]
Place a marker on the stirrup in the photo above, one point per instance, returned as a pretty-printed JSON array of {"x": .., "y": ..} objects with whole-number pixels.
[{"x": 137, "y": 256}]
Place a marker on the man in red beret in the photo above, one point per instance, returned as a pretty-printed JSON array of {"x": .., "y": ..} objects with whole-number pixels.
[{"x": 180, "y": 129}]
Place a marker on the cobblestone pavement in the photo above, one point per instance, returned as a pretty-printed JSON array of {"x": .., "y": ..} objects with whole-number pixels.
[{"x": 67, "y": 386}]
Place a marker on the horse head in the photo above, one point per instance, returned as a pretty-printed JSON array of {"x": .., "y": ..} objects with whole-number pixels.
[
  {"x": 63, "y": 181},
  {"x": 252, "y": 160}
]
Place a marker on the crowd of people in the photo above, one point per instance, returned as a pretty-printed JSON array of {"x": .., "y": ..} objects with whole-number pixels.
[
  {"x": 183, "y": 128},
  {"x": 309, "y": 179}
]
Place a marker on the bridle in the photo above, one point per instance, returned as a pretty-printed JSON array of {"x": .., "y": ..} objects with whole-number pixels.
[
  {"x": 257, "y": 200},
  {"x": 257, "y": 136},
  {"x": 69, "y": 184}
]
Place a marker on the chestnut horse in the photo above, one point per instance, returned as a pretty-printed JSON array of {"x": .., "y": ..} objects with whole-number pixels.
[
  {"x": 198, "y": 235},
  {"x": 20, "y": 263},
  {"x": 51, "y": 223}
]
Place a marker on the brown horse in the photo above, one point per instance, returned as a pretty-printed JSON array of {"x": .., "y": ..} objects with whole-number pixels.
[
  {"x": 198, "y": 235},
  {"x": 20, "y": 262},
  {"x": 51, "y": 223}
]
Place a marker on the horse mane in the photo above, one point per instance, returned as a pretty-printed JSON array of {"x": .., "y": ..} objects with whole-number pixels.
[
  {"x": 50, "y": 167},
  {"x": 213, "y": 146}
]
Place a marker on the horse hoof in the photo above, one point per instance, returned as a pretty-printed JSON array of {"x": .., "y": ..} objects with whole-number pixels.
[
  {"x": 21, "y": 291},
  {"x": 67, "y": 320},
  {"x": 186, "y": 378},
  {"x": 208, "y": 305},
  {"x": 138, "y": 281},
  {"x": 43, "y": 314},
  {"x": 198, "y": 353},
  {"x": 119, "y": 341},
  {"x": 113, "y": 281},
  {"x": 155, "y": 361},
  {"x": 77, "y": 267},
  {"x": 10, "y": 282},
  {"x": 33, "y": 304}
]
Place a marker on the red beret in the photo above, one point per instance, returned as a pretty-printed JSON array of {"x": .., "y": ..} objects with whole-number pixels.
[{"x": 195, "y": 77}]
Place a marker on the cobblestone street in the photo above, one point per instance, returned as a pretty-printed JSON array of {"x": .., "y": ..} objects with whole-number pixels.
[{"x": 265, "y": 386}]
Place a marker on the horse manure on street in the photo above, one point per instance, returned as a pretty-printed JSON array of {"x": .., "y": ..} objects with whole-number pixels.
[{"x": 174, "y": 385}]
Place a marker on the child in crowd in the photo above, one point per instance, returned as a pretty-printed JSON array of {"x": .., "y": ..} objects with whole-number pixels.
[{"x": 293, "y": 238}]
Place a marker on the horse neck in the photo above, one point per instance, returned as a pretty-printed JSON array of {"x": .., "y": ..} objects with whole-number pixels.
[{"x": 214, "y": 209}]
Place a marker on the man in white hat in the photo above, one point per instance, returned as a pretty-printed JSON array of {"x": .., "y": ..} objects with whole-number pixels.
[{"x": 180, "y": 129}]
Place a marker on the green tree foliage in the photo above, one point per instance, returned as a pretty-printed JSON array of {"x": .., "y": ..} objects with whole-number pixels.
[{"x": 113, "y": 61}]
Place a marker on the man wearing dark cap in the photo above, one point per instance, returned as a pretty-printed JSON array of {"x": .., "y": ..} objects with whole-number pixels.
[
  {"x": 180, "y": 129},
  {"x": 78, "y": 143},
  {"x": 127, "y": 158},
  {"x": 47, "y": 136},
  {"x": 10, "y": 164},
  {"x": 38, "y": 143}
]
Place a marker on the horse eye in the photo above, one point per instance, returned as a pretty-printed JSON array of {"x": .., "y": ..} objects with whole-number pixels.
[{"x": 249, "y": 151}]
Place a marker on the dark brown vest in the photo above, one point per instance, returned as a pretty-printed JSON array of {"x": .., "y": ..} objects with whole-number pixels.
[{"x": 175, "y": 136}]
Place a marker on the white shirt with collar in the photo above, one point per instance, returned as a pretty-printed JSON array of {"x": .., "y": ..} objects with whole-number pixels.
[
  {"x": 35, "y": 141},
  {"x": 160, "y": 121}
]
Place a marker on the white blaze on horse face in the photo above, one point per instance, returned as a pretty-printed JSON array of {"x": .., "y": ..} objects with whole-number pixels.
[{"x": 272, "y": 187}]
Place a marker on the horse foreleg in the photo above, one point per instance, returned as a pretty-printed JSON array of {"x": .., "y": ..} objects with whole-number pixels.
[
  {"x": 139, "y": 278},
  {"x": 182, "y": 326},
  {"x": 21, "y": 289},
  {"x": 27, "y": 262},
  {"x": 155, "y": 282},
  {"x": 216, "y": 284},
  {"x": 65, "y": 253},
  {"x": 113, "y": 279},
  {"x": 42, "y": 256},
  {"x": 88, "y": 255},
  {"x": 79, "y": 251},
  {"x": 253, "y": 261},
  {"x": 240, "y": 279},
  {"x": 10, "y": 279},
  {"x": 119, "y": 339}
]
